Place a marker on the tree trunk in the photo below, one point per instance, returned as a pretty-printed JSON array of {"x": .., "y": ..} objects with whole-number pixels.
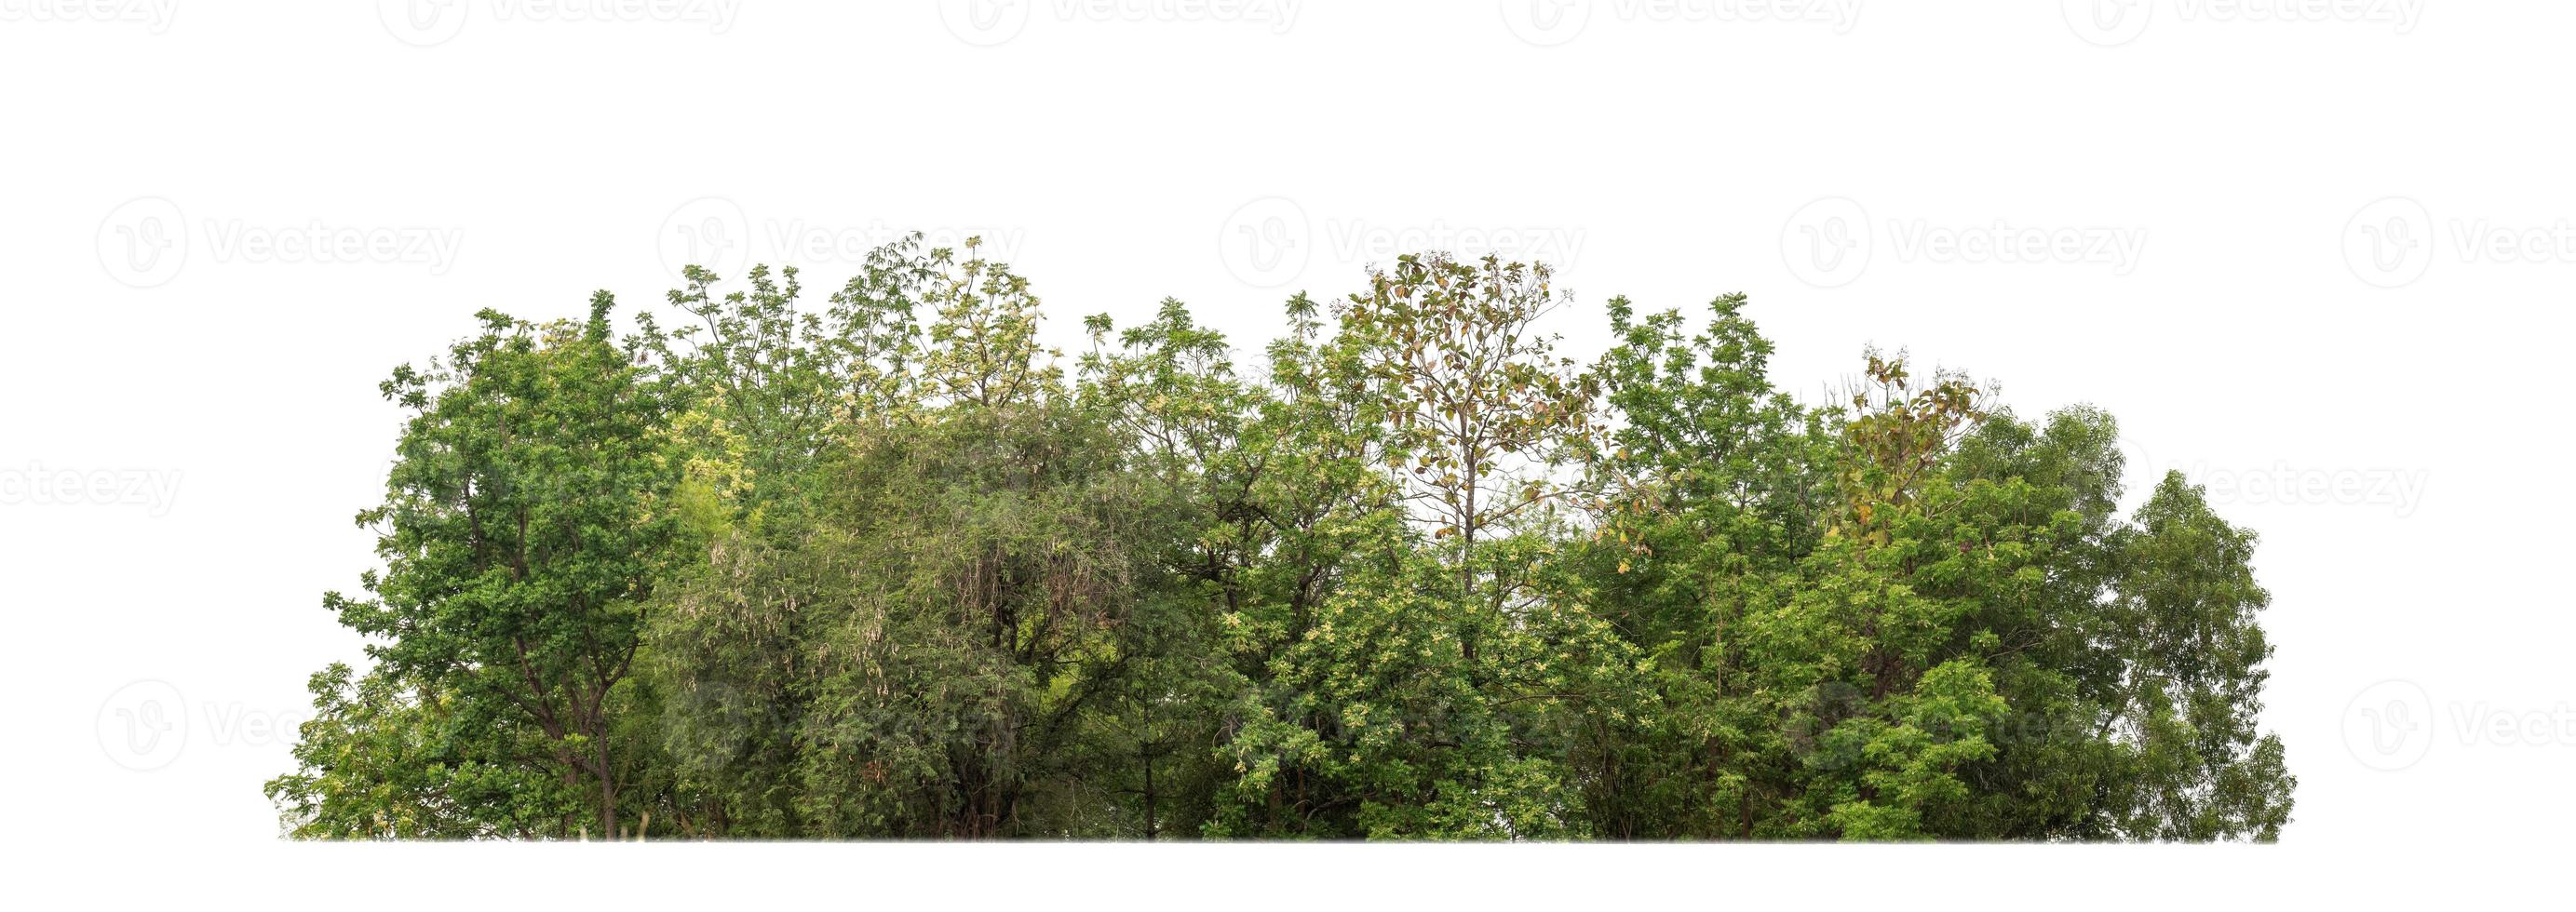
[{"x": 607, "y": 785}]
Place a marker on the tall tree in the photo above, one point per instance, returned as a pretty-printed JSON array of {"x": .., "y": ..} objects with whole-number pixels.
[{"x": 527, "y": 519}]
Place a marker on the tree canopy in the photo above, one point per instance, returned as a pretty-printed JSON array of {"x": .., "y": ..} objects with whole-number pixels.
[{"x": 883, "y": 566}]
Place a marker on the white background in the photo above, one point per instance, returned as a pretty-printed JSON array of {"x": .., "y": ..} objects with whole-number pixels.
[{"x": 2316, "y": 254}]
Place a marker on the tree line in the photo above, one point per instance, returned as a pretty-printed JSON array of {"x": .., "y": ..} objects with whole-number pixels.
[{"x": 884, "y": 566}]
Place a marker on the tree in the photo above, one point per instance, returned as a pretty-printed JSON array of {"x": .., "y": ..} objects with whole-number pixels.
[
  {"x": 878, "y": 567},
  {"x": 527, "y": 519},
  {"x": 1712, "y": 487},
  {"x": 1475, "y": 397}
]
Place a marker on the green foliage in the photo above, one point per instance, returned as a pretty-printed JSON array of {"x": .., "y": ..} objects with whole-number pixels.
[
  {"x": 527, "y": 521},
  {"x": 887, "y": 568}
]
